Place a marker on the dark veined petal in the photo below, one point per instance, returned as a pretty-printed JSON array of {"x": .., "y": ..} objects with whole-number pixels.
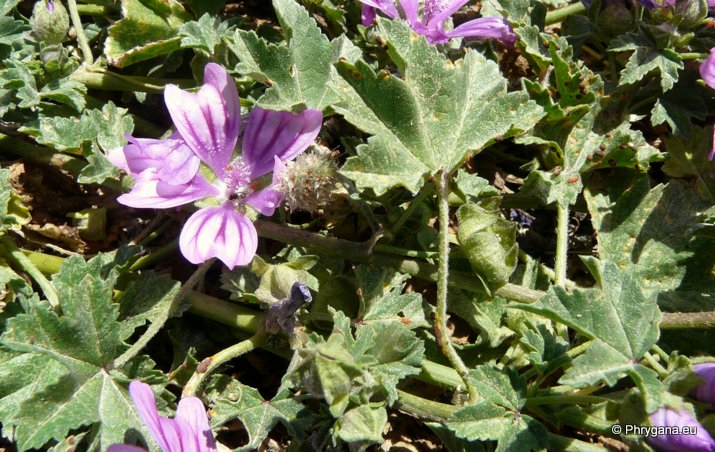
[
  {"x": 411, "y": 9},
  {"x": 367, "y": 15},
  {"x": 217, "y": 76},
  {"x": 279, "y": 134},
  {"x": 191, "y": 415},
  {"x": 144, "y": 401},
  {"x": 668, "y": 417},
  {"x": 172, "y": 159},
  {"x": 485, "y": 28},
  {"x": 220, "y": 232},
  {"x": 208, "y": 121},
  {"x": 150, "y": 192}
]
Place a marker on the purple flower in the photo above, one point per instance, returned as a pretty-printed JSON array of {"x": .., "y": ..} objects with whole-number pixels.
[
  {"x": 692, "y": 437},
  {"x": 167, "y": 171},
  {"x": 651, "y": 4},
  {"x": 706, "y": 391},
  {"x": 707, "y": 69},
  {"x": 188, "y": 431},
  {"x": 434, "y": 14}
]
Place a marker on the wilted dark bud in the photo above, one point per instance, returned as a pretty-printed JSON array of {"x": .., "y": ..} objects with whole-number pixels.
[
  {"x": 282, "y": 314},
  {"x": 614, "y": 19},
  {"x": 50, "y": 22},
  {"x": 310, "y": 181}
]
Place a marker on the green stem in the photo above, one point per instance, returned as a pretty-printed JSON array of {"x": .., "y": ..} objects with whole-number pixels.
[
  {"x": 558, "y": 15},
  {"x": 663, "y": 355},
  {"x": 229, "y": 314},
  {"x": 380, "y": 248},
  {"x": 558, "y": 443},
  {"x": 148, "y": 238},
  {"x": 694, "y": 56},
  {"x": 440, "y": 321},
  {"x": 47, "y": 264},
  {"x": 562, "y": 244},
  {"x": 208, "y": 365},
  {"x": 98, "y": 78},
  {"x": 565, "y": 400},
  {"x": 81, "y": 37},
  {"x": 91, "y": 10},
  {"x": 439, "y": 375},
  {"x": 655, "y": 365},
  {"x": 423, "y": 408},
  {"x": 39, "y": 154},
  {"x": 17, "y": 257},
  {"x": 155, "y": 256},
  {"x": 158, "y": 324}
]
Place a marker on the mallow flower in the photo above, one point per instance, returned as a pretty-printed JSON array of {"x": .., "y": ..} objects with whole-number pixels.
[
  {"x": 434, "y": 14},
  {"x": 207, "y": 128},
  {"x": 188, "y": 431},
  {"x": 695, "y": 439}
]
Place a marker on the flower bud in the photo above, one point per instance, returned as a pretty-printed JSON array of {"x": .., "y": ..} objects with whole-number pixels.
[
  {"x": 309, "y": 181},
  {"x": 706, "y": 391},
  {"x": 695, "y": 439},
  {"x": 50, "y": 22}
]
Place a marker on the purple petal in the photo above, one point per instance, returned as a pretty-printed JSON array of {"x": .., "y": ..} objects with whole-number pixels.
[
  {"x": 367, "y": 15},
  {"x": 707, "y": 69},
  {"x": 192, "y": 413},
  {"x": 277, "y": 133},
  {"x": 125, "y": 448},
  {"x": 152, "y": 193},
  {"x": 144, "y": 401},
  {"x": 219, "y": 232},
  {"x": 386, "y": 6},
  {"x": 217, "y": 76},
  {"x": 711, "y": 4},
  {"x": 439, "y": 11},
  {"x": 267, "y": 200},
  {"x": 174, "y": 162},
  {"x": 203, "y": 122},
  {"x": 706, "y": 391},
  {"x": 486, "y": 28},
  {"x": 668, "y": 417},
  {"x": 712, "y": 151},
  {"x": 410, "y": 8},
  {"x": 172, "y": 434}
]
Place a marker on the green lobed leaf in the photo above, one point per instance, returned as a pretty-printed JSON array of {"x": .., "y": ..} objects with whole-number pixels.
[
  {"x": 620, "y": 320},
  {"x": 361, "y": 425},
  {"x": 688, "y": 159},
  {"x": 681, "y": 105},
  {"x": 649, "y": 231},
  {"x": 433, "y": 118},
  {"x": 205, "y": 34},
  {"x": 299, "y": 73},
  {"x": 84, "y": 340},
  {"x": 647, "y": 58},
  {"x": 384, "y": 301},
  {"x": 148, "y": 28},
  {"x": 231, "y": 399}
]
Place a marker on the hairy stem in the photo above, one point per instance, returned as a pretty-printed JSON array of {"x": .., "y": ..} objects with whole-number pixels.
[
  {"x": 558, "y": 15},
  {"x": 81, "y": 37},
  {"x": 208, "y": 365},
  {"x": 423, "y": 408},
  {"x": 562, "y": 244},
  {"x": 440, "y": 321},
  {"x": 98, "y": 78},
  {"x": 17, "y": 257}
]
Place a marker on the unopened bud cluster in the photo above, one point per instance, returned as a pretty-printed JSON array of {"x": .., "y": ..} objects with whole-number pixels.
[{"x": 310, "y": 181}]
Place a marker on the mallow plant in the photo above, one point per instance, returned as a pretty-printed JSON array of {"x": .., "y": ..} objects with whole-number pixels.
[{"x": 357, "y": 225}]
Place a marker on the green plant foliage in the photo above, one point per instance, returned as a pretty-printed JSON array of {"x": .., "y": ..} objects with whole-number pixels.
[
  {"x": 420, "y": 125},
  {"x": 647, "y": 58},
  {"x": 84, "y": 340},
  {"x": 147, "y": 29}
]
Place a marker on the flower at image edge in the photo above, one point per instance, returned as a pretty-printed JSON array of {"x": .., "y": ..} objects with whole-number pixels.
[
  {"x": 434, "y": 14},
  {"x": 188, "y": 430},
  {"x": 167, "y": 171}
]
